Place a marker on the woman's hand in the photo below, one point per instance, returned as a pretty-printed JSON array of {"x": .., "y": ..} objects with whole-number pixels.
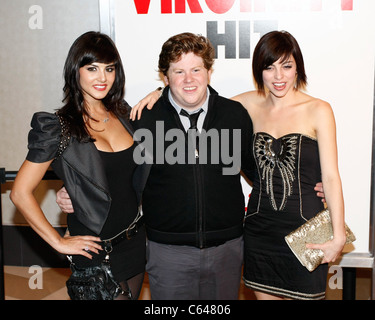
[
  {"x": 148, "y": 101},
  {"x": 79, "y": 245},
  {"x": 331, "y": 249}
]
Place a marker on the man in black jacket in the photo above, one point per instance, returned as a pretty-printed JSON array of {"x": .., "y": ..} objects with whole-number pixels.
[
  {"x": 195, "y": 143},
  {"x": 193, "y": 202}
]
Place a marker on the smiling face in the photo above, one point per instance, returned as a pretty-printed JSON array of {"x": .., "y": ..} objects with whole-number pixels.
[
  {"x": 280, "y": 77},
  {"x": 188, "y": 79},
  {"x": 96, "y": 79}
]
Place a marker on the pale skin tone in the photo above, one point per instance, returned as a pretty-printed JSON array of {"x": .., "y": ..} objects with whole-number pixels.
[
  {"x": 283, "y": 110},
  {"x": 96, "y": 80},
  {"x": 188, "y": 80}
]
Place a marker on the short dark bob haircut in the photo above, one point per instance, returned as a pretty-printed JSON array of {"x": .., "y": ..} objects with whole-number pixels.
[
  {"x": 270, "y": 48},
  {"x": 184, "y": 43},
  {"x": 90, "y": 47}
]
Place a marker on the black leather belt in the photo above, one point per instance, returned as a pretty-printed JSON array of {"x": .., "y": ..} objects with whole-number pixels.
[{"x": 127, "y": 234}]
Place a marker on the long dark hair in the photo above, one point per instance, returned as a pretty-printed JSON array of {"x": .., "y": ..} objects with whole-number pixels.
[{"x": 88, "y": 48}]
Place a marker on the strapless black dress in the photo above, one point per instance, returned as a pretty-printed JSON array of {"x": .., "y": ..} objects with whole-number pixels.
[{"x": 282, "y": 199}]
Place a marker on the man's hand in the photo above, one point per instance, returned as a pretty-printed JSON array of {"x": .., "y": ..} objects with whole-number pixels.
[
  {"x": 63, "y": 201},
  {"x": 320, "y": 191}
]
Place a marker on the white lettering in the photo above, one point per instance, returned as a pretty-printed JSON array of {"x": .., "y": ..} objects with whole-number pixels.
[
  {"x": 161, "y": 310},
  {"x": 335, "y": 281},
  {"x": 36, "y": 280},
  {"x": 36, "y": 20}
]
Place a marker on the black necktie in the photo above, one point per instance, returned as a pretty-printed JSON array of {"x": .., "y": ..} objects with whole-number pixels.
[
  {"x": 193, "y": 125},
  {"x": 192, "y": 117}
]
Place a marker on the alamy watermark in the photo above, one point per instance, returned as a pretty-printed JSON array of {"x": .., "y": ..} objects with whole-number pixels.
[
  {"x": 36, "y": 19},
  {"x": 213, "y": 147},
  {"x": 36, "y": 280},
  {"x": 334, "y": 283}
]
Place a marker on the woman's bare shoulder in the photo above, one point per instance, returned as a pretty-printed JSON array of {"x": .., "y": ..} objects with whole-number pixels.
[
  {"x": 248, "y": 98},
  {"x": 318, "y": 106}
]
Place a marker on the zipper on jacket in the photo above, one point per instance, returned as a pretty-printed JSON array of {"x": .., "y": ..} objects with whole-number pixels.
[
  {"x": 198, "y": 170},
  {"x": 198, "y": 174},
  {"x": 199, "y": 198}
]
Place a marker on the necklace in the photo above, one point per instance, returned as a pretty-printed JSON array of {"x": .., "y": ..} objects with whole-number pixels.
[{"x": 105, "y": 120}]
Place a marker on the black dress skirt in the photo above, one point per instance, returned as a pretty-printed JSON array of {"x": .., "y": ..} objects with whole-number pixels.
[{"x": 282, "y": 199}]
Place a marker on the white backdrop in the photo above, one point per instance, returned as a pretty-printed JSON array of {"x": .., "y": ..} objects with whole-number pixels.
[{"x": 337, "y": 38}]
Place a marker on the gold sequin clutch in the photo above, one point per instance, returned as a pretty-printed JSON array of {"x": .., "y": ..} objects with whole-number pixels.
[{"x": 315, "y": 230}]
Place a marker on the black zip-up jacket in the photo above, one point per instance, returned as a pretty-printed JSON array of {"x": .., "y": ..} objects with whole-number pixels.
[{"x": 188, "y": 203}]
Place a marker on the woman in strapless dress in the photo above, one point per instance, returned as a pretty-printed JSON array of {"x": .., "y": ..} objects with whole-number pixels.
[{"x": 294, "y": 147}]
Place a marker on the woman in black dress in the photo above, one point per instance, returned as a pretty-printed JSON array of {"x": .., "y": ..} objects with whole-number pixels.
[
  {"x": 90, "y": 146},
  {"x": 294, "y": 147}
]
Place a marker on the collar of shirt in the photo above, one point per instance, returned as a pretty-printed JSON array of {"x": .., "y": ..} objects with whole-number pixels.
[{"x": 185, "y": 120}]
